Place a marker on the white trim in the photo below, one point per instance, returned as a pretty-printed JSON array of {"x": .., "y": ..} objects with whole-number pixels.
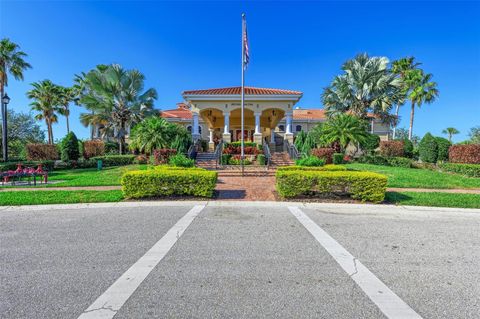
[{"x": 237, "y": 97}]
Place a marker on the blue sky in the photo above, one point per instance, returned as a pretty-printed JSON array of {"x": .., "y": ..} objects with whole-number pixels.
[{"x": 294, "y": 45}]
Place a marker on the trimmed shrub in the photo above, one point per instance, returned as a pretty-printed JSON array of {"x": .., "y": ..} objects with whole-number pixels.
[
  {"x": 69, "y": 148},
  {"x": 375, "y": 160},
  {"x": 442, "y": 149},
  {"x": 111, "y": 148},
  {"x": 391, "y": 148},
  {"x": 371, "y": 143},
  {"x": 226, "y": 158},
  {"x": 407, "y": 148},
  {"x": 337, "y": 158},
  {"x": 365, "y": 186},
  {"x": 324, "y": 153},
  {"x": 42, "y": 152},
  {"x": 161, "y": 156},
  {"x": 470, "y": 170},
  {"x": 93, "y": 148},
  {"x": 115, "y": 160},
  {"x": 141, "y": 159},
  {"x": 310, "y": 161},
  {"x": 469, "y": 154},
  {"x": 180, "y": 160},
  {"x": 169, "y": 182},
  {"x": 428, "y": 149},
  {"x": 399, "y": 162},
  {"x": 236, "y": 160},
  {"x": 261, "y": 159},
  {"x": 328, "y": 167}
]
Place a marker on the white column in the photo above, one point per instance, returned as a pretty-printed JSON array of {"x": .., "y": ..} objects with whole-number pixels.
[
  {"x": 257, "y": 123},
  {"x": 195, "y": 134},
  {"x": 288, "y": 129},
  {"x": 211, "y": 135},
  {"x": 272, "y": 135},
  {"x": 226, "y": 120}
]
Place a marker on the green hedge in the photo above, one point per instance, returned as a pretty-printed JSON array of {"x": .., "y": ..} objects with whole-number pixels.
[
  {"x": 338, "y": 158},
  {"x": 470, "y": 170},
  {"x": 311, "y": 161},
  {"x": 386, "y": 161},
  {"x": 261, "y": 159},
  {"x": 365, "y": 186},
  {"x": 428, "y": 149},
  {"x": 399, "y": 162},
  {"x": 328, "y": 167},
  {"x": 115, "y": 160},
  {"x": 165, "y": 181}
]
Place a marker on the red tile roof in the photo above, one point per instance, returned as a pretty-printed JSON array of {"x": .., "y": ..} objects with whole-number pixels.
[
  {"x": 236, "y": 90},
  {"x": 179, "y": 113},
  {"x": 318, "y": 114}
]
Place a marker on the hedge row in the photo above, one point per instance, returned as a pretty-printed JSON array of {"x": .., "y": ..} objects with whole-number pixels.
[
  {"x": 328, "y": 167},
  {"x": 469, "y": 154},
  {"x": 471, "y": 170},
  {"x": 325, "y": 153},
  {"x": 41, "y": 152},
  {"x": 115, "y": 160},
  {"x": 386, "y": 161},
  {"x": 365, "y": 186},
  {"x": 164, "y": 181},
  {"x": 392, "y": 148}
]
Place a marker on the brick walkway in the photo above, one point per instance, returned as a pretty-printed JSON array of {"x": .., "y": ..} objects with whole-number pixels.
[{"x": 251, "y": 188}]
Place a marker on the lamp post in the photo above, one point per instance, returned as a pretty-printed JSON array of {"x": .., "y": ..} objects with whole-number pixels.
[{"x": 5, "y": 101}]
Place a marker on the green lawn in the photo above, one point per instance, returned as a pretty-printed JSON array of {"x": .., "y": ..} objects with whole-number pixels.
[
  {"x": 58, "y": 197},
  {"x": 418, "y": 178},
  {"x": 109, "y": 176},
  {"x": 434, "y": 199}
]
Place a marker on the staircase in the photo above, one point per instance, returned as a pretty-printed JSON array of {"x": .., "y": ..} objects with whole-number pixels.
[
  {"x": 206, "y": 160},
  {"x": 281, "y": 159}
]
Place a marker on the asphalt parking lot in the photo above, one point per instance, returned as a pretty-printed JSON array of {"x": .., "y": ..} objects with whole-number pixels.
[{"x": 239, "y": 260}]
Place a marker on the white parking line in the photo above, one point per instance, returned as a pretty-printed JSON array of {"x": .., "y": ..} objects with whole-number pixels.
[
  {"x": 108, "y": 304},
  {"x": 386, "y": 300}
]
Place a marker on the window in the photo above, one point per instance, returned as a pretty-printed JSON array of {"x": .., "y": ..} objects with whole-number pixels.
[
  {"x": 189, "y": 129},
  {"x": 199, "y": 129},
  {"x": 281, "y": 128},
  {"x": 298, "y": 128}
]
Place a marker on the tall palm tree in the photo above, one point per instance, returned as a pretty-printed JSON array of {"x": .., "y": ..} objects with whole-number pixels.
[
  {"x": 450, "y": 131},
  {"x": 401, "y": 67},
  {"x": 343, "y": 129},
  {"x": 12, "y": 61},
  {"x": 46, "y": 102},
  {"x": 66, "y": 96},
  {"x": 423, "y": 90},
  {"x": 367, "y": 85},
  {"x": 116, "y": 100}
]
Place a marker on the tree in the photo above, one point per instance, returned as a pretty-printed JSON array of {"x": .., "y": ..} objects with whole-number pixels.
[
  {"x": 115, "y": 99},
  {"x": 474, "y": 135},
  {"x": 344, "y": 129},
  {"x": 152, "y": 133},
  {"x": 422, "y": 90},
  {"x": 428, "y": 149},
  {"x": 66, "y": 96},
  {"x": 22, "y": 130},
  {"x": 46, "y": 102},
  {"x": 367, "y": 85},
  {"x": 69, "y": 148},
  {"x": 400, "y": 68},
  {"x": 450, "y": 131},
  {"x": 12, "y": 61}
]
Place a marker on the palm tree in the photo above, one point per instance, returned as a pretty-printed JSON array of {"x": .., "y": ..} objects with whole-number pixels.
[
  {"x": 344, "y": 129},
  {"x": 367, "y": 85},
  {"x": 422, "y": 90},
  {"x": 11, "y": 62},
  {"x": 450, "y": 131},
  {"x": 66, "y": 95},
  {"x": 152, "y": 133},
  {"x": 116, "y": 100},
  {"x": 46, "y": 102},
  {"x": 401, "y": 67}
]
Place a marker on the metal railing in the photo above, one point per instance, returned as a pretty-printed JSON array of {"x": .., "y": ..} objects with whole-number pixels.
[
  {"x": 291, "y": 149},
  {"x": 193, "y": 149},
  {"x": 218, "y": 154},
  {"x": 267, "y": 153}
]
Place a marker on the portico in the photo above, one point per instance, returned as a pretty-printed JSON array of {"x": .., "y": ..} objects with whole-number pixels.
[{"x": 220, "y": 110}]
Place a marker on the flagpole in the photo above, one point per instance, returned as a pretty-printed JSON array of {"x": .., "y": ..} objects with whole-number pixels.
[{"x": 242, "y": 156}]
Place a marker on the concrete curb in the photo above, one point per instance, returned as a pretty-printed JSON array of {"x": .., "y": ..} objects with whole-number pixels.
[{"x": 365, "y": 208}]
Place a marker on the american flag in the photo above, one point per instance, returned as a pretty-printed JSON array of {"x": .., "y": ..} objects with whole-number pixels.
[{"x": 246, "y": 54}]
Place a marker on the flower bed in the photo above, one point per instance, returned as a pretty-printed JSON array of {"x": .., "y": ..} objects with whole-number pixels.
[
  {"x": 166, "y": 181},
  {"x": 365, "y": 186}
]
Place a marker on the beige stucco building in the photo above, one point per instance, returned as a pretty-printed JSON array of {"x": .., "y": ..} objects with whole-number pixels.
[{"x": 270, "y": 115}]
